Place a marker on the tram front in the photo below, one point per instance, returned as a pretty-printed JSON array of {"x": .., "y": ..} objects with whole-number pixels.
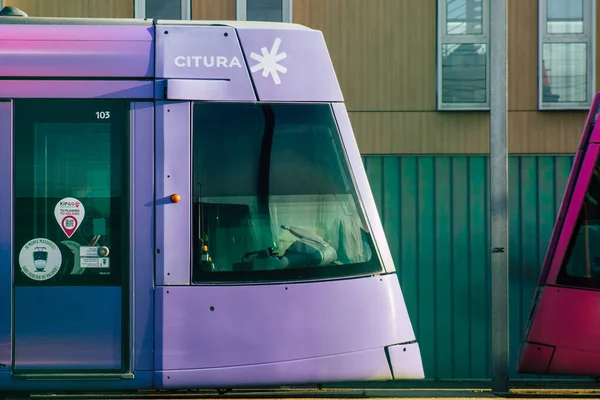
[
  {"x": 291, "y": 278},
  {"x": 561, "y": 326}
]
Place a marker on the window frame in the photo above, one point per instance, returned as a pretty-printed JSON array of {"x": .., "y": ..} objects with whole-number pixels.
[
  {"x": 588, "y": 37},
  {"x": 140, "y": 9},
  {"x": 286, "y": 10},
  {"x": 562, "y": 277},
  {"x": 26, "y": 127},
  {"x": 443, "y": 38},
  {"x": 280, "y": 276}
]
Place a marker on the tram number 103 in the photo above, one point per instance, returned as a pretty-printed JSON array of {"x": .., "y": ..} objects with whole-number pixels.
[{"x": 102, "y": 114}]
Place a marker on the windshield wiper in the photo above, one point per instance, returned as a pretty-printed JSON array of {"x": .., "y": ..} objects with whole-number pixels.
[{"x": 264, "y": 168}]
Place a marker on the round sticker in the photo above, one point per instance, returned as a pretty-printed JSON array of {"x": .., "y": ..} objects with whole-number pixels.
[{"x": 40, "y": 259}]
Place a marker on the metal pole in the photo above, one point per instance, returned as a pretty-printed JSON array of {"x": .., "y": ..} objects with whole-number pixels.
[{"x": 499, "y": 195}]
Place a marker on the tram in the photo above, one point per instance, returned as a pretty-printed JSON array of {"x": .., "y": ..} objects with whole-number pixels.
[
  {"x": 562, "y": 324},
  {"x": 184, "y": 205}
]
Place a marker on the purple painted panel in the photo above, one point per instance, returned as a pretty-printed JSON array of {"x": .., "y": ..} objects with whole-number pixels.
[
  {"x": 567, "y": 231},
  {"x": 76, "y": 51},
  {"x": 363, "y": 187},
  {"x": 406, "y": 361},
  {"x": 116, "y": 33},
  {"x": 259, "y": 324},
  {"x": 173, "y": 176},
  {"x": 76, "y": 89},
  {"x": 359, "y": 366},
  {"x": 204, "y": 53},
  {"x": 215, "y": 90},
  {"x": 76, "y": 328},
  {"x": 6, "y": 240},
  {"x": 142, "y": 234},
  {"x": 290, "y": 65}
]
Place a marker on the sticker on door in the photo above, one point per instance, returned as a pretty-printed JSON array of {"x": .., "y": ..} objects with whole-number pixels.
[
  {"x": 40, "y": 259},
  {"x": 69, "y": 212}
]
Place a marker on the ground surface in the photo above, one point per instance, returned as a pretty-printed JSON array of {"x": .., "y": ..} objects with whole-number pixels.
[{"x": 350, "y": 394}]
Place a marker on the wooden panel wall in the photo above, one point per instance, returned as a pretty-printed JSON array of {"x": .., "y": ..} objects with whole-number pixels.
[
  {"x": 384, "y": 52},
  {"x": 522, "y": 55},
  {"x": 421, "y": 132},
  {"x": 75, "y": 8},
  {"x": 214, "y": 9}
]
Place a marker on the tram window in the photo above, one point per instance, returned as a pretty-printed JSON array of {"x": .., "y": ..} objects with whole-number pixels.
[
  {"x": 273, "y": 196},
  {"x": 70, "y": 149},
  {"x": 582, "y": 262}
]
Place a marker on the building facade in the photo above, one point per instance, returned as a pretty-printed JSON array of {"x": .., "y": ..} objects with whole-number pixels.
[{"x": 414, "y": 74}]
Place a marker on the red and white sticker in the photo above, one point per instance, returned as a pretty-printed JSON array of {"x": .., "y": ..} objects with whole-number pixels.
[{"x": 69, "y": 212}]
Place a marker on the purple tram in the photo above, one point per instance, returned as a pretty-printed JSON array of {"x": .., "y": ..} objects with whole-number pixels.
[
  {"x": 562, "y": 325},
  {"x": 185, "y": 206}
]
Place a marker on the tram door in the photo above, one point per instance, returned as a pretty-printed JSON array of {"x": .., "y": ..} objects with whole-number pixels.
[{"x": 70, "y": 243}]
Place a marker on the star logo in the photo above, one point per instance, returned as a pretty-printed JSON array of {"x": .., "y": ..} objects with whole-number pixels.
[{"x": 269, "y": 62}]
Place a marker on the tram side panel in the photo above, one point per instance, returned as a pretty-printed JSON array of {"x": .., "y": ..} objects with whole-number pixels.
[
  {"x": 123, "y": 55},
  {"x": 142, "y": 245}
]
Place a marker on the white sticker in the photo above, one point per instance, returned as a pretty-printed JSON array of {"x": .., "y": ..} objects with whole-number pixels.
[
  {"x": 88, "y": 251},
  {"x": 104, "y": 262},
  {"x": 87, "y": 262},
  {"x": 40, "y": 259},
  {"x": 69, "y": 212},
  {"x": 94, "y": 262}
]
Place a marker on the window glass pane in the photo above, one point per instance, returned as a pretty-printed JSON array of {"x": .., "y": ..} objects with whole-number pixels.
[
  {"x": 273, "y": 178},
  {"x": 163, "y": 9},
  {"x": 582, "y": 263},
  {"x": 464, "y": 73},
  {"x": 564, "y": 72},
  {"x": 63, "y": 149},
  {"x": 564, "y": 16},
  {"x": 264, "y": 10},
  {"x": 464, "y": 17}
]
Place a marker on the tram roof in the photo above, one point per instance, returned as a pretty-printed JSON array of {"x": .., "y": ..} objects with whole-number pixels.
[{"x": 148, "y": 22}]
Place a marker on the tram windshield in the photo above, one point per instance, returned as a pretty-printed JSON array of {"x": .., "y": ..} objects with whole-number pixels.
[
  {"x": 273, "y": 196},
  {"x": 582, "y": 262}
]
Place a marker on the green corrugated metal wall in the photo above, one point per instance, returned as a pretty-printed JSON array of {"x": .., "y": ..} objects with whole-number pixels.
[{"x": 435, "y": 213}]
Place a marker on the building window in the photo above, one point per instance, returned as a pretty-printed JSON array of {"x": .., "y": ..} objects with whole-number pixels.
[
  {"x": 566, "y": 54},
  {"x": 264, "y": 10},
  {"x": 163, "y": 9},
  {"x": 463, "y": 55}
]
